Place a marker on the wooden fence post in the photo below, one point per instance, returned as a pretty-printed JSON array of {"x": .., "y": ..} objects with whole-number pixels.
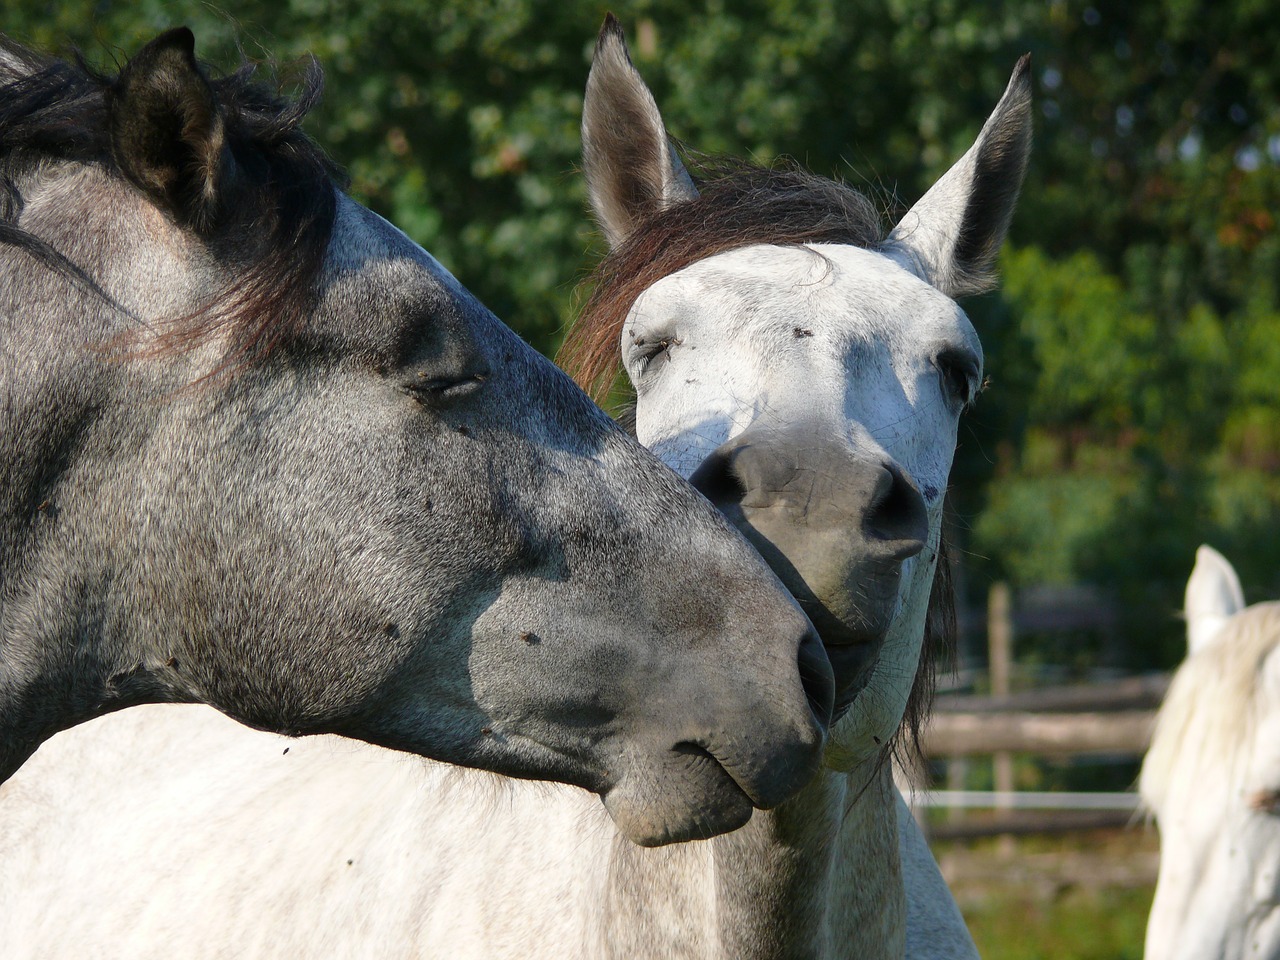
[{"x": 1000, "y": 662}]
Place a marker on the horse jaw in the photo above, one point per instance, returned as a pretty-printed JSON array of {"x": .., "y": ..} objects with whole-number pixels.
[{"x": 875, "y": 715}]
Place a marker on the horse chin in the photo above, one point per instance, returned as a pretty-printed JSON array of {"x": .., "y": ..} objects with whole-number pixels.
[
  {"x": 853, "y": 665},
  {"x": 853, "y": 622},
  {"x": 846, "y": 584},
  {"x": 689, "y": 797}
]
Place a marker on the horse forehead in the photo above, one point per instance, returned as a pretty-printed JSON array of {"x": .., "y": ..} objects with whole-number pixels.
[
  {"x": 811, "y": 290},
  {"x": 366, "y": 244}
]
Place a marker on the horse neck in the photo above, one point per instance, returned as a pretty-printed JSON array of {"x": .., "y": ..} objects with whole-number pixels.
[
  {"x": 56, "y": 571},
  {"x": 52, "y": 680},
  {"x": 68, "y": 409},
  {"x": 819, "y": 876}
]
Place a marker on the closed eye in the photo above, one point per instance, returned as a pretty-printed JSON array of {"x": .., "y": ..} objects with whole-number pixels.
[
  {"x": 438, "y": 391},
  {"x": 644, "y": 350},
  {"x": 1266, "y": 801}
]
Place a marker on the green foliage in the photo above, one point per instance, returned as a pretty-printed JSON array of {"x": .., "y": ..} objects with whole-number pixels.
[{"x": 1135, "y": 350}]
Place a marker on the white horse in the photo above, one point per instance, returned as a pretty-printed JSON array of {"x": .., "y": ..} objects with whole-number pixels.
[
  {"x": 1212, "y": 779},
  {"x": 810, "y": 376}
]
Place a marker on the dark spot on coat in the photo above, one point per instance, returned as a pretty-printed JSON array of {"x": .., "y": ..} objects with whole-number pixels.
[
  {"x": 465, "y": 431},
  {"x": 800, "y": 333}
]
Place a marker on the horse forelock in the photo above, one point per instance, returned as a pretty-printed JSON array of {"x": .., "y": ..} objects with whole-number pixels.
[
  {"x": 739, "y": 204},
  {"x": 56, "y": 110},
  {"x": 1210, "y": 714}
]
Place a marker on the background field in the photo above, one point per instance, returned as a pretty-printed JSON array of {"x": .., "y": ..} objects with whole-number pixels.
[{"x": 1082, "y": 897}]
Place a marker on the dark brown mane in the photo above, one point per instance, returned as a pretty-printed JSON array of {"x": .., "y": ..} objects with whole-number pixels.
[
  {"x": 740, "y": 204},
  {"x": 57, "y": 110}
]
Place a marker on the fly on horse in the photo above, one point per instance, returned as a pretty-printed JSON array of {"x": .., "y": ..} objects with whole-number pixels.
[
  {"x": 809, "y": 372},
  {"x": 1212, "y": 779},
  {"x": 260, "y": 451}
]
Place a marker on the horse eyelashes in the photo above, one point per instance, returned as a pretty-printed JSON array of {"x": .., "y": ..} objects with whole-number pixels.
[
  {"x": 646, "y": 351},
  {"x": 435, "y": 391}
]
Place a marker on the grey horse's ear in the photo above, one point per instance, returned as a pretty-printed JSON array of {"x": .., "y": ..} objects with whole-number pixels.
[
  {"x": 952, "y": 236},
  {"x": 632, "y": 170},
  {"x": 1213, "y": 597},
  {"x": 167, "y": 134}
]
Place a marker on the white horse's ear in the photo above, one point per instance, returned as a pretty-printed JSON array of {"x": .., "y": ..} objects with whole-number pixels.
[
  {"x": 632, "y": 170},
  {"x": 1213, "y": 597},
  {"x": 951, "y": 237}
]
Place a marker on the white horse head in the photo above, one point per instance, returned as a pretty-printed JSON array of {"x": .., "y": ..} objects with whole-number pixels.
[
  {"x": 806, "y": 371},
  {"x": 1212, "y": 779}
]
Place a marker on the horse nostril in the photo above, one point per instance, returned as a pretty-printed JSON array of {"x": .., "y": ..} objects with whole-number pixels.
[
  {"x": 897, "y": 513},
  {"x": 817, "y": 678},
  {"x": 717, "y": 480}
]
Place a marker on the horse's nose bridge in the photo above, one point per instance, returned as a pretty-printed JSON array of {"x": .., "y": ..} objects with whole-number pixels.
[{"x": 818, "y": 479}]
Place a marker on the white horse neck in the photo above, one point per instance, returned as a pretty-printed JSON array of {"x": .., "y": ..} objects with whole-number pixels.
[{"x": 818, "y": 876}]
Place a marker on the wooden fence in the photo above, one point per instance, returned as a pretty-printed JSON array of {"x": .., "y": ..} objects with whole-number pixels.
[{"x": 1112, "y": 718}]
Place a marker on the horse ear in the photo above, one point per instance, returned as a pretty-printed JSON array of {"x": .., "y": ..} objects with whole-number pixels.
[
  {"x": 1213, "y": 596},
  {"x": 167, "y": 134},
  {"x": 631, "y": 167},
  {"x": 951, "y": 237}
]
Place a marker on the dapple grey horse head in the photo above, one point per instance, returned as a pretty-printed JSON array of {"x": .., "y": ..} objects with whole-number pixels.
[{"x": 263, "y": 452}]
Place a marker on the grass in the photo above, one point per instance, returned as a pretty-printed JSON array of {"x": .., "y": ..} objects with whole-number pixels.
[
  {"x": 1076, "y": 897},
  {"x": 1078, "y": 925}
]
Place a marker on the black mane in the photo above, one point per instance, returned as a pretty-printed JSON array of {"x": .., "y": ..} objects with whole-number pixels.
[{"x": 52, "y": 109}]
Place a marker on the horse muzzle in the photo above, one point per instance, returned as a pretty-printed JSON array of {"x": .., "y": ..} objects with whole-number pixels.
[{"x": 836, "y": 529}]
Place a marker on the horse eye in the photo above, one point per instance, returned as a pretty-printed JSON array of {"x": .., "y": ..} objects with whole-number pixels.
[
  {"x": 645, "y": 351},
  {"x": 960, "y": 374},
  {"x": 438, "y": 391},
  {"x": 1266, "y": 801}
]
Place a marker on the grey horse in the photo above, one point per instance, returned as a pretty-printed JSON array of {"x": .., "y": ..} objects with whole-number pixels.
[{"x": 259, "y": 450}]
